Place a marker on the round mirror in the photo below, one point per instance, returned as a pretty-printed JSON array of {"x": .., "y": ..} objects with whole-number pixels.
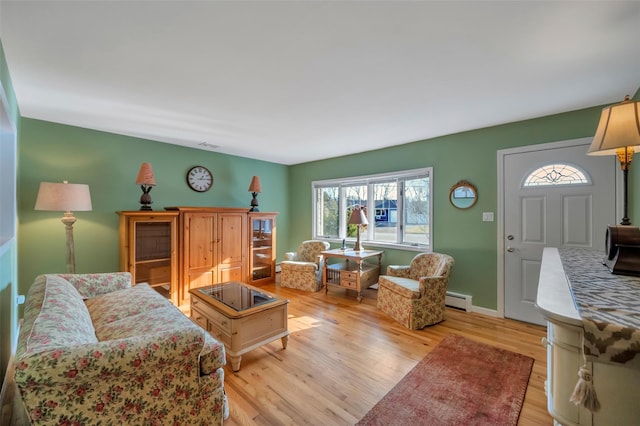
[{"x": 463, "y": 195}]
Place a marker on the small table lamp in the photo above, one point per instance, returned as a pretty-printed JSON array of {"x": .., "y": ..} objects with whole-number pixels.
[
  {"x": 255, "y": 189},
  {"x": 618, "y": 133},
  {"x": 147, "y": 181},
  {"x": 358, "y": 218},
  {"x": 65, "y": 197}
]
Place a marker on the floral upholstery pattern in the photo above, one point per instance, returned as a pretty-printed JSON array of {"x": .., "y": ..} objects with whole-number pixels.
[
  {"x": 92, "y": 285},
  {"x": 414, "y": 295},
  {"x": 121, "y": 304},
  {"x": 145, "y": 364},
  {"x": 303, "y": 269}
]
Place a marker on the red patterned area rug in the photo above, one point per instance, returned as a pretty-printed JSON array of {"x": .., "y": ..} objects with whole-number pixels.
[{"x": 460, "y": 382}]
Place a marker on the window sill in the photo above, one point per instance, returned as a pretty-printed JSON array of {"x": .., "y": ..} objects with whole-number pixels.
[{"x": 379, "y": 245}]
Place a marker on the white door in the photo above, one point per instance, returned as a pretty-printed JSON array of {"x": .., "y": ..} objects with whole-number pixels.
[{"x": 547, "y": 211}]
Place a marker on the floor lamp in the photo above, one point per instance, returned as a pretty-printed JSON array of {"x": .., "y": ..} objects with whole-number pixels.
[
  {"x": 618, "y": 133},
  {"x": 65, "y": 197}
]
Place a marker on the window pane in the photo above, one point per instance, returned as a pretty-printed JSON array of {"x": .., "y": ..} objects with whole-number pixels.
[
  {"x": 416, "y": 227},
  {"x": 328, "y": 216},
  {"x": 556, "y": 174},
  {"x": 355, "y": 195},
  {"x": 386, "y": 214}
]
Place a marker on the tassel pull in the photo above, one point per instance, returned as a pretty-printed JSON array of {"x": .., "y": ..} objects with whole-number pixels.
[{"x": 584, "y": 394}]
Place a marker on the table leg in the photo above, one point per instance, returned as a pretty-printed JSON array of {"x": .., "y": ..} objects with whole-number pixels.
[
  {"x": 285, "y": 340},
  {"x": 359, "y": 281},
  {"x": 324, "y": 275},
  {"x": 235, "y": 362}
]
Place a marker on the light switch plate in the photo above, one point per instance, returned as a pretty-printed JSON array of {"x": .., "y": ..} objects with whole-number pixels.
[{"x": 487, "y": 216}]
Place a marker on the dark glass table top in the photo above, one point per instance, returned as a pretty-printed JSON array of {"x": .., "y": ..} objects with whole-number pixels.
[{"x": 237, "y": 296}]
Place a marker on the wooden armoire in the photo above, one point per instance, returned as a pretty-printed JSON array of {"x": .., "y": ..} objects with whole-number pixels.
[{"x": 212, "y": 246}]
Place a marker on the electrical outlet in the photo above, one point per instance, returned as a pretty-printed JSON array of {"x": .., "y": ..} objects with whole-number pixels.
[{"x": 487, "y": 216}]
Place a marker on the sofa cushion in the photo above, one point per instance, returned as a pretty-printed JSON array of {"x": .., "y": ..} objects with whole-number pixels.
[
  {"x": 92, "y": 285},
  {"x": 63, "y": 319},
  {"x": 125, "y": 303},
  {"x": 142, "y": 311},
  {"x": 162, "y": 319}
]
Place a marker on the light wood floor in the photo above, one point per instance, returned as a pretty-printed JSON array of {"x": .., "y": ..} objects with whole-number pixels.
[{"x": 344, "y": 356}]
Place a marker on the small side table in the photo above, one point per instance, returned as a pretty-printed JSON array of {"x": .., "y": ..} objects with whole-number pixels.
[{"x": 355, "y": 273}]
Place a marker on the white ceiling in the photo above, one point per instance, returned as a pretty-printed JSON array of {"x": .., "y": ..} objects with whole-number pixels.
[{"x": 296, "y": 81}]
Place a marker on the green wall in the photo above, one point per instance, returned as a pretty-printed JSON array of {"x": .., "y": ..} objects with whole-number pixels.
[
  {"x": 471, "y": 156},
  {"x": 8, "y": 258},
  {"x": 109, "y": 164}
]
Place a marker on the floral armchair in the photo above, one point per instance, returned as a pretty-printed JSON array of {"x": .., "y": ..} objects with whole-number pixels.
[
  {"x": 414, "y": 294},
  {"x": 303, "y": 269}
]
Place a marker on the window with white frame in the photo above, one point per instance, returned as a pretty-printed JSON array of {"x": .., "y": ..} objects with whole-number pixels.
[{"x": 398, "y": 207}]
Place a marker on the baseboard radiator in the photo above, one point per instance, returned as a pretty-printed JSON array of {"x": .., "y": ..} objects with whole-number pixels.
[{"x": 459, "y": 301}]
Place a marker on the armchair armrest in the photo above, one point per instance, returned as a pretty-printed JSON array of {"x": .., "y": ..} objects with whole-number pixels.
[
  {"x": 434, "y": 287},
  {"x": 92, "y": 285},
  {"x": 292, "y": 265},
  {"x": 398, "y": 271}
]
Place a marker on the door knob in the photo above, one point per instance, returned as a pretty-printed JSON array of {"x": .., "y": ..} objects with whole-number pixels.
[
  {"x": 510, "y": 249},
  {"x": 509, "y": 237}
]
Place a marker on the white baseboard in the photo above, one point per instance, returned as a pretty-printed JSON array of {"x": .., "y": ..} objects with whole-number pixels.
[{"x": 458, "y": 300}]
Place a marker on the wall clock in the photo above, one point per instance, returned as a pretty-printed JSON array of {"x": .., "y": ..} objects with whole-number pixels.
[{"x": 199, "y": 178}]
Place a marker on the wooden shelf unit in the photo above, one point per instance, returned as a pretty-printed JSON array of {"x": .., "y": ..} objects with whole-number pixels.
[
  {"x": 357, "y": 270},
  {"x": 148, "y": 249},
  {"x": 346, "y": 275},
  {"x": 262, "y": 248}
]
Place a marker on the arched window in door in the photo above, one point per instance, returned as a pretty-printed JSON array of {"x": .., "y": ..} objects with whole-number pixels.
[{"x": 556, "y": 174}]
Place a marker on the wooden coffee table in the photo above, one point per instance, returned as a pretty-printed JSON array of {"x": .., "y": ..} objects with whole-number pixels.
[{"x": 241, "y": 316}]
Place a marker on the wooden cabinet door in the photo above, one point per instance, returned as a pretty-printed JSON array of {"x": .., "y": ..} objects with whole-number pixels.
[
  {"x": 199, "y": 256},
  {"x": 261, "y": 254},
  {"x": 231, "y": 246}
]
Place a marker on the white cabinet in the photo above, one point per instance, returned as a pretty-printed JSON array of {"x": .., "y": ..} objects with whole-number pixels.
[{"x": 617, "y": 386}]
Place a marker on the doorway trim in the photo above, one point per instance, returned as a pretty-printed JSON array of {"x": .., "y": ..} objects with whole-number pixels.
[{"x": 501, "y": 155}]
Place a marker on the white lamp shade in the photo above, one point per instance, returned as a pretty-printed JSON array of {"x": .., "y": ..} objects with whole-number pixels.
[
  {"x": 619, "y": 127},
  {"x": 63, "y": 197}
]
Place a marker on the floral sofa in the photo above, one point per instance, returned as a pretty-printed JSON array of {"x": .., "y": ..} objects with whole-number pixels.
[
  {"x": 95, "y": 350},
  {"x": 414, "y": 294}
]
